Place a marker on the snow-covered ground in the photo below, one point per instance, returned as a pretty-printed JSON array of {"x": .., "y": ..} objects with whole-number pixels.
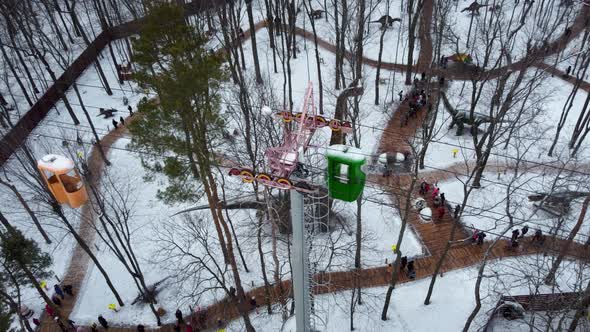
[
  {"x": 47, "y": 138},
  {"x": 528, "y": 142},
  {"x": 154, "y": 228},
  {"x": 554, "y": 17},
  {"x": 451, "y": 303},
  {"x": 153, "y": 218},
  {"x": 57, "y": 58},
  {"x": 487, "y": 207}
]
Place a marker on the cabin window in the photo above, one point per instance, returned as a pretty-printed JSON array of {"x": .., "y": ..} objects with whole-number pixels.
[
  {"x": 343, "y": 173},
  {"x": 71, "y": 181}
]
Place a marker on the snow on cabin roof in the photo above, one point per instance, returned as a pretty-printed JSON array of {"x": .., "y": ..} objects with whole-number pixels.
[
  {"x": 345, "y": 152},
  {"x": 55, "y": 163}
]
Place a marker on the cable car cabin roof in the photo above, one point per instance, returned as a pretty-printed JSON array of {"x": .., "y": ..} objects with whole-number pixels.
[
  {"x": 56, "y": 164},
  {"x": 345, "y": 153}
]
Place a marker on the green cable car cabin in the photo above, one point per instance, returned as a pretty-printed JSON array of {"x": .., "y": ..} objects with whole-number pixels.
[{"x": 345, "y": 178}]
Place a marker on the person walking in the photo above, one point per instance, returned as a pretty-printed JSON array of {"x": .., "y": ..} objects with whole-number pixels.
[
  {"x": 538, "y": 235},
  {"x": 130, "y": 109},
  {"x": 515, "y": 234},
  {"x": 115, "y": 123},
  {"x": 103, "y": 322},
  {"x": 457, "y": 210},
  {"x": 122, "y": 121},
  {"x": 58, "y": 291},
  {"x": 480, "y": 236},
  {"x": 403, "y": 262},
  {"x": 401, "y": 95},
  {"x": 474, "y": 235},
  {"x": 253, "y": 303},
  {"x": 56, "y": 300},
  {"x": 437, "y": 201},
  {"x": 49, "y": 310},
  {"x": 232, "y": 291},
  {"x": 220, "y": 326},
  {"x": 435, "y": 192},
  {"x": 411, "y": 264},
  {"x": 524, "y": 230},
  {"x": 72, "y": 324},
  {"x": 442, "y": 199},
  {"x": 68, "y": 289},
  {"x": 178, "y": 315},
  {"x": 441, "y": 212},
  {"x": 568, "y": 71},
  {"x": 423, "y": 185}
]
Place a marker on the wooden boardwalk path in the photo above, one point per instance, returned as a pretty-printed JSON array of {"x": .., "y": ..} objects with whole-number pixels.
[{"x": 434, "y": 235}]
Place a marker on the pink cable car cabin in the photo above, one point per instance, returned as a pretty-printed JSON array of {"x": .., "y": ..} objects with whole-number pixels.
[{"x": 63, "y": 180}]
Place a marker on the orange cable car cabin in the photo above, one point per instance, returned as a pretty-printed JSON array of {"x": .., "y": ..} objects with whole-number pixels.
[{"x": 63, "y": 180}]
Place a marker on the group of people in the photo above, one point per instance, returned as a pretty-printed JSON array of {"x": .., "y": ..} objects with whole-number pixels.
[
  {"x": 478, "y": 237},
  {"x": 416, "y": 100},
  {"x": 408, "y": 265},
  {"x": 405, "y": 264},
  {"x": 121, "y": 119},
  {"x": 438, "y": 197},
  {"x": 538, "y": 238},
  {"x": 57, "y": 298}
]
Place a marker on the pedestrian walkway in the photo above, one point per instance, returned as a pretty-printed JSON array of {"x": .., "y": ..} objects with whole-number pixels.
[
  {"x": 434, "y": 235},
  {"x": 79, "y": 263}
]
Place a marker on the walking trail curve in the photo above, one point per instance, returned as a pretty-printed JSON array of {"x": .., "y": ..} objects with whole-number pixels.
[{"x": 433, "y": 235}]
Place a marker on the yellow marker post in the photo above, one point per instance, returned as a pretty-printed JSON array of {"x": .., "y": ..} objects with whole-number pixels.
[
  {"x": 43, "y": 284},
  {"x": 455, "y": 151},
  {"x": 394, "y": 247},
  {"x": 113, "y": 307}
]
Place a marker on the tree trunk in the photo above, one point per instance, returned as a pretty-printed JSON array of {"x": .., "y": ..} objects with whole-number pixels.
[
  {"x": 15, "y": 74},
  {"x": 317, "y": 58},
  {"x": 440, "y": 262},
  {"x": 79, "y": 27},
  {"x": 358, "y": 244},
  {"x": 267, "y": 298},
  {"x": 377, "y": 78},
  {"x": 88, "y": 251},
  {"x": 581, "y": 305},
  {"x": 413, "y": 22},
  {"x": 338, "y": 51},
  {"x": 253, "y": 40},
  {"x": 550, "y": 278},
  {"x": 353, "y": 90},
  {"x": 63, "y": 21},
  {"x": 11, "y": 28},
  {"x": 28, "y": 209},
  {"x": 406, "y": 214},
  {"x": 271, "y": 33},
  {"x": 358, "y": 70},
  {"x": 96, "y": 138}
]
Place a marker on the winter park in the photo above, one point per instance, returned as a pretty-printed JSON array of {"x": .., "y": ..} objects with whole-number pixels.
[{"x": 294, "y": 165}]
